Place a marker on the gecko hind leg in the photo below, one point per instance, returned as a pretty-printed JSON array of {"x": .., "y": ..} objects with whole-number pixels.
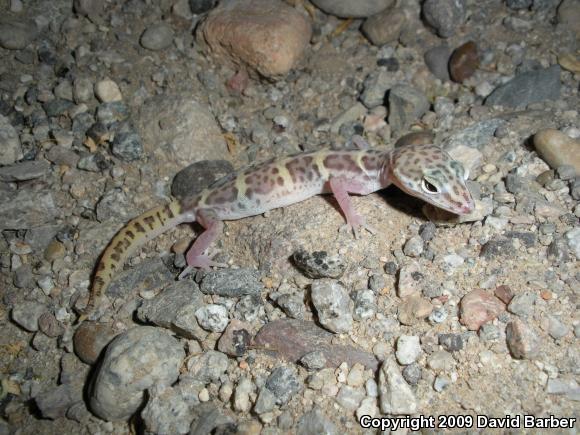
[
  {"x": 341, "y": 187},
  {"x": 196, "y": 257}
]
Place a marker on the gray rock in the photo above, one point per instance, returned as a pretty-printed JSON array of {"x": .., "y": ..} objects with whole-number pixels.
[
  {"x": 376, "y": 84},
  {"x": 111, "y": 113},
  {"x": 212, "y": 317},
  {"x": 332, "y": 304},
  {"x": 451, "y": 342},
  {"x": 350, "y": 397},
  {"x": 10, "y": 149},
  {"x": 127, "y": 145},
  {"x": 314, "y": 360},
  {"x": 412, "y": 373},
  {"x": 395, "y": 395},
  {"x": 489, "y": 332},
  {"x": 235, "y": 339},
  {"x": 194, "y": 178},
  {"x": 23, "y": 277},
  {"x": 441, "y": 382},
  {"x": 516, "y": 5},
  {"x": 528, "y": 88},
  {"x": 174, "y": 308},
  {"x": 55, "y": 402},
  {"x": 384, "y": 27},
  {"x": 441, "y": 360},
  {"x": 133, "y": 362},
  {"x": 82, "y": 90},
  {"x": 180, "y": 128},
  {"x": 266, "y": 401},
  {"x": 88, "y": 8},
  {"x": 437, "y": 60},
  {"x": 157, "y": 37},
  {"x": 201, "y": 6},
  {"x": 17, "y": 34},
  {"x": 208, "y": 367},
  {"x": 569, "y": 15},
  {"x": 573, "y": 240},
  {"x": 556, "y": 328},
  {"x": 413, "y": 247},
  {"x": 568, "y": 388},
  {"x": 27, "y": 313},
  {"x": 522, "y": 304},
  {"x": 350, "y": 9},
  {"x": 497, "y": 247},
  {"x": 211, "y": 419},
  {"x": 477, "y": 135},
  {"x": 114, "y": 205},
  {"x": 522, "y": 341},
  {"x": 61, "y": 155},
  {"x": 249, "y": 308},
  {"x": 284, "y": 383},
  {"x": 166, "y": 412},
  {"x": 57, "y": 107},
  {"x": 292, "y": 305},
  {"x": 319, "y": 264},
  {"x": 231, "y": 282},
  {"x": 408, "y": 349},
  {"x": 315, "y": 422},
  {"x": 27, "y": 170},
  {"x": 364, "y": 304},
  {"x": 406, "y": 104},
  {"x": 444, "y": 15}
]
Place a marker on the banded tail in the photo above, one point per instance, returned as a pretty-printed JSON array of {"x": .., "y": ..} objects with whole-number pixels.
[{"x": 138, "y": 231}]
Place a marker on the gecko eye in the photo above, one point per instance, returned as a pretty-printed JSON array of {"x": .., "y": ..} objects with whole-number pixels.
[{"x": 428, "y": 187}]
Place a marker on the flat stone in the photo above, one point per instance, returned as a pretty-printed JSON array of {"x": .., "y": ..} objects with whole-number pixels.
[
  {"x": 17, "y": 34},
  {"x": 107, "y": 91},
  {"x": 522, "y": 341},
  {"x": 279, "y": 35},
  {"x": 558, "y": 149},
  {"x": 479, "y": 307},
  {"x": 384, "y": 27},
  {"x": 437, "y": 60},
  {"x": 406, "y": 104},
  {"x": 319, "y": 264},
  {"x": 166, "y": 412},
  {"x": 463, "y": 62},
  {"x": 350, "y": 9},
  {"x": 27, "y": 209},
  {"x": 332, "y": 304},
  {"x": 55, "y": 402},
  {"x": 157, "y": 36},
  {"x": 411, "y": 280},
  {"x": 446, "y": 16},
  {"x": 291, "y": 339},
  {"x": 27, "y": 314},
  {"x": 231, "y": 283},
  {"x": 235, "y": 339},
  {"x": 395, "y": 395},
  {"x": 315, "y": 422},
  {"x": 475, "y": 136},
  {"x": 208, "y": 367},
  {"x": 194, "y": 178},
  {"x": 284, "y": 383},
  {"x": 414, "y": 309},
  {"x": 22, "y": 171},
  {"x": 528, "y": 88}
]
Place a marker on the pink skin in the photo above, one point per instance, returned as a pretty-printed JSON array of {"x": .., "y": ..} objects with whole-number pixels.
[{"x": 341, "y": 187}]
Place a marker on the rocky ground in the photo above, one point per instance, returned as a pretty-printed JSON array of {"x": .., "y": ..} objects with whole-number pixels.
[{"x": 103, "y": 103}]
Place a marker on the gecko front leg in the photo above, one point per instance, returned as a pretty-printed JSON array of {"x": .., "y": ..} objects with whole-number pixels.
[
  {"x": 341, "y": 187},
  {"x": 196, "y": 257}
]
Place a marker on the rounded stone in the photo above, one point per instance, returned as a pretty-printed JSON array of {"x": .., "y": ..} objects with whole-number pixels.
[
  {"x": 444, "y": 15},
  {"x": 91, "y": 338},
  {"x": 464, "y": 62},
  {"x": 108, "y": 91},
  {"x": 352, "y": 9},
  {"x": 16, "y": 35},
  {"x": 158, "y": 36},
  {"x": 558, "y": 149}
]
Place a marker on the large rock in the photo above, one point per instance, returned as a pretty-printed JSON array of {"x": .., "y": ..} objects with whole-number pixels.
[
  {"x": 353, "y": 9},
  {"x": 264, "y": 36},
  {"x": 558, "y": 149},
  {"x": 27, "y": 209},
  {"x": 16, "y": 34},
  {"x": 10, "y": 149},
  {"x": 185, "y": 125},
  {"x": 134, "y": 362}
]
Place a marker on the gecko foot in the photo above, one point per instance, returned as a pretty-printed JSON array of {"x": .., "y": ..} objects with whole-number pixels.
[
  {"x": 356, "y": 228},
  {"x": 200, "y": 262}
]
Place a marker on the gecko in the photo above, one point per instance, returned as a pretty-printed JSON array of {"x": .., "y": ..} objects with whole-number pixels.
[{"x": 424, "y": 171}]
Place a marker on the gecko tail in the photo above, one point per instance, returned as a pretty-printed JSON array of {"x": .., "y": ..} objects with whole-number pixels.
[{"x": 137, "y": 232}]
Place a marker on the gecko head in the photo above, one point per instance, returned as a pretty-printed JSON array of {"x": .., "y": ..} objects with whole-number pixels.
[{"x": 429, "y": 173}]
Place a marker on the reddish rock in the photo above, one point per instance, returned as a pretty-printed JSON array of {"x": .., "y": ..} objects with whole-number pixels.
[
  {"x": 479, "y": 307},
  {"x": 522, "y": 341},
  {"x": 235, "y": 339},
  {"x": 264, "y": 36},
  {"x": 463, "y": 62},
  {"x": 505, "y": 293},
  {"x": 91, "y": 338},
  {"x": 291, "y": 339}
]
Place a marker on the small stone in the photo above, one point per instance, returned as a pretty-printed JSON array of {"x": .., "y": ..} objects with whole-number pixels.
[
  {"x": 489, "y": 332},
  {"x": 528, "y": 88},
  {"x": 569, "y": 15},
  {"x": 522, "y": 304},
  {"x": 427, "y": 231},
  {"x": 522, "y": 342},
  {"x": 350, "y": 397},
  {"x": 284, "y": 383},
  {"x": 266, "y": 402},
  {"x": 444, "y": 15},
  {"x": 451, "y": 342},
  {"x": 319, "y": 264},
  {"x": 558, "y": 149},
  {"x": 10, "y": 149},
  {"x": 437, "y": 60},
  {"x": 212, "y": 317},
  {"x": 413, "y": 309},
  {"x": 479, "y": 307},
  {"x": 314, "y": 360},
  {"x": 408, "y": 349},
  {"x": 235, "y": 339},
  {"x": 504, "y": 293},
  {"x": 292, "y": 305},
  {"x": 375, "y": 87},
  {"x": 27, "y": 314},
  {"x": 406, "y": 104},
  {"x": 441, "y": 382},
  {"x": 412, "y": 373},
  {"x": 572, "y": 238},
  {"x": 384, "y": 27},
  {"x": 355, "y": 376},
  {"x": 413, "y": 247},
  {"x": 158, "y": 36},
  {"x": 127, "y": 145},
  {"x": 391, "y": 268},
  {"x": 396, "y": 397},
  {"x": 91, "y": 338},
  {"x": 242, "y": 395},
  {"x": 194, "y": 178},
  {"x": 364, "y": 304},
  {"x": 438, "y": 315},
  {"x": 350, "y": 9},
  {"x": 17, "y": 34},
  {"x": 566, "y": 172},
  {"x": 166, "y": 412},
  {"x": 556, "y": 328},
  {"x": 441, "y": 361},
  {"x": 332, "y": 305},
  {"x": 207, "y": 367},
  {"x": 49, "y": 326},
  {"x": 315, "y": 422},
  {"x": 82, "y": 90},
  {"x": 200, "y": 6},
  {"x": 107, "y": 91},
  {"x": 54, "y": 402},
  {"x": 231, "y": 282},
  {"x": 497, "y": 247},
  {"x": 463, "y": 62}
]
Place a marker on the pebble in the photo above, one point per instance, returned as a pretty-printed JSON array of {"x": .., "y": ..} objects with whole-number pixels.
[
  {"x": 192, "y": 179},
  {"x": 413, "y": 309},
  {"x": 166, "y": 412},
  {"x": 413, "y": 247},
  {"x": 200, "y": 6},
  {"x": 441, "y": 361},
  {"x": 497, "y": 247},
  {"x": 437, "y": 60},
  {"x": 292, "y": 305},
  {"x": 522, "y": 305},
  {"x": 10, "y": 149},
  {"x": 479, "y": 307},
  {"x": 265, "y": 402},
  {"x": 17, "y": 34},
  {"x": 464, "y": 62},
  {"x": 451, "y": 342},
  {"x": 412, "y": 373},
  {"x": 504, "y": 293},
  {"x": 127, "y": 145},
  {"x": 476, "y": 136},
  {"x": 572, "y": 238},
  {"x": 242, "y": 395},
  {"x": 446, "y": 16},
  {"x": 158, "y": 36},
  {"x": 385, "y": 26},
  {"x": 212, "y": 317},
  {"x": 284, "y": 383},
  {"x": 90, "y": 339},
  {"x": 231, "y": 283},
  {"x": 395, "y": 395},
  {"x": 350, "y": 397},
  {"x": 408, "y": 349},
  {"x": 207, "y": 367},
  {"x": 517, "y": 5},
  {"x": 235, "y": 339},
  {"x": 314, "y": 360},
  {"x": 556, "y": 328},
  {"x": 375, "y": 87},
  {"x": 522, "y": 341},
  {"x": 82, "y": 90},
  {"x": 279, "y": 37},
  {"x": 568, "y": 388},
  {"x": 332, "y": 304},
  {"x": 441, "y": 382},
  {"x": 569, "y": 62},
  {"x": 349, "y": 9},
  {"x": 569, "y": 15},
  {"x": 27, "y": 314},
  {"x": 315, "y": 422},
  {"x": 558, "y": 149},
  {"x": 148, "y": 356},
  {"x": 406, "y": 104},
  {"x": 107, "y": 91},
  {"x": 54, "y": 402},
  {"x": 22, "y": 171},
  {"x": 527, "y": 88}
]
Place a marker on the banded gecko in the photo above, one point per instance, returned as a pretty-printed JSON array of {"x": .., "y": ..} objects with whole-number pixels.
[{"x": 424, "y": 171}]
